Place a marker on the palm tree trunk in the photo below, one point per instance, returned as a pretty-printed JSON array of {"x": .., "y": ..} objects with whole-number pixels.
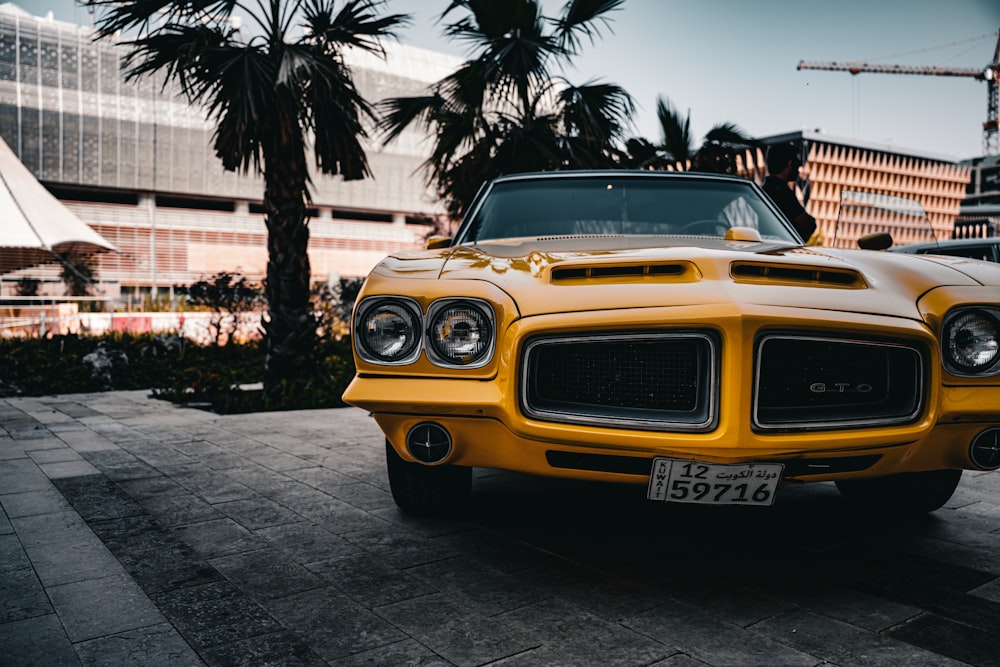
[{"x": 290, "y": 327}]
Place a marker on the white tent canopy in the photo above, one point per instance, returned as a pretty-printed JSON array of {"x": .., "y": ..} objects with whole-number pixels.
[{"x": 34, "y": 225}]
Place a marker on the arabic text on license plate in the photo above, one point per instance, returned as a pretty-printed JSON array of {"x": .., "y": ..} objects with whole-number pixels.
[{"x": 680, "y": 481}]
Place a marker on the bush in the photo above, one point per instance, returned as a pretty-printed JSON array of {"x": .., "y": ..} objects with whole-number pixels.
[{"x": 220, "y": 378}]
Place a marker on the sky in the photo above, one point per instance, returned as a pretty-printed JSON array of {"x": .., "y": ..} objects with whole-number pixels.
[{"x": 736, "y": 61}]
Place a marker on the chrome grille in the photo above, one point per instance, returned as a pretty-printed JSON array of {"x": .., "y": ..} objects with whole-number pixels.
[
  {"x": 640, "y": 380},
  {"x": 814, "y": 382}
]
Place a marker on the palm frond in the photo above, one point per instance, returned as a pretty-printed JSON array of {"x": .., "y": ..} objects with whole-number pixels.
[
  {"x": 729, "y": 134},
  {"x": 676, "y": 130},
  {"x": 596, "y": 112},
  {"x": 244, "y": 105},
  {"x": 583, "y": 18},
  {"x": 357, "y": 24},
  {"x": 399, "y": 113}
]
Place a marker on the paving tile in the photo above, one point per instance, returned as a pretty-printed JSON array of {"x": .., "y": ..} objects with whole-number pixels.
[
  {"x": 277, "y": 648},
  {"x": 844, "y": 644},
  {"x": 153, "y": 555},
  {"x": 988, "y": 591},
  {"x": 682, "y": 660},
  {"x": 257, "y": 512},
  {"x": 339, "y": 517},
  {"x": 266, "y": 574},
  {"x": 73, "y": 562},
  {"x": 498, "y": 552},
  {"x": 458, "y": 634},
  {"x": 334, "y": 625},
  {"x": 935, "y": 592},
  {"x": 215, "y": 613},
  {"x": 370, "y": 581},
  {"x": 29, "y": 503},
  {"x": 54, "y": 455},
  {"x": 567, "y": 635},
  {"x": 323, "y": 478},
  {"x": 67, "y": 469},
  {"x": 365, "y": 496},
  {"x": 407, "y": 653},
  {"x": 12, "y": 556},
  {"x": 478, "y": 586},
  {"x": 21, "y": 595},
  {"x": 73, "y": 409},
  {"x": 86, "y": 440},
  {"x": 218, "y": 537},
  {"x": 714, "y": 641},
  {"x": 18, "y": 475},
  {"x": 155, "y": 454},
  {"x": 305, "y": 542},
  {"x": 169, "y": 502},
  {"x": 53, "y": 529},
  {"x": 860, "y": 609},
  {"x": 39, "y": 640},
  {"x": 96, "y": 498},
  {"x": 11, "y": 449},
  {"x": 99, "y": 607},
  {"x": 262, "y": 480},
  {"x": 944, "y": 637},
  {"x": 317, "y": 563},
  {"x": 277, "y": 460},
  {"x": 213, "y": 487},
  {"x": 153, "y": 646},
  {"x": 401, "y": 548},
  {"x": 118, "y": 465}
]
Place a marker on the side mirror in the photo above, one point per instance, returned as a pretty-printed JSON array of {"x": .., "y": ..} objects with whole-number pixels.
[
  {"x": 433, "y": 242},
  {"x": 742, "y": 234},
  {"x": 875, "y": 241}
]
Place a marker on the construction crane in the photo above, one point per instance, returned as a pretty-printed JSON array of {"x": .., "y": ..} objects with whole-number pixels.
[{"x": 990, "y": 74}]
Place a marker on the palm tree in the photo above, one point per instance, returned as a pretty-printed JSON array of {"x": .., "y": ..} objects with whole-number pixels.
[
  {"x": 505, "y": 110},
  {"x": 718, "y": 150},
  {"x": 269, "y": 95}
]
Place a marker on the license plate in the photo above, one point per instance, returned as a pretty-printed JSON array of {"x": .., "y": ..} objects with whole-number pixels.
[{"x": 681, "y": 481}]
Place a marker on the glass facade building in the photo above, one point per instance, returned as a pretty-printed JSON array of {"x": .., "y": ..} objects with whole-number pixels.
[{"x": 134, "y": 161}]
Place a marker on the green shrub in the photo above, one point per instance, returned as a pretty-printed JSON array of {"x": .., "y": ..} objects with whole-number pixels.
[{"x": 224, "y": 379}]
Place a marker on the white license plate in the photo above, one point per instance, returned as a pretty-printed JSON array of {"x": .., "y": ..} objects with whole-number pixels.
[{"x": 681, "y": 481}]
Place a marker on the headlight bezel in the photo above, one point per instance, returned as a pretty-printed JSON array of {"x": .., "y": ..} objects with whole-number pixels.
[
  {"x": 362, "y": 316},
  {"x": 423, "y": 321},
  {"x": 950, "y": 358},
  {"x": 435, "y": 312}
]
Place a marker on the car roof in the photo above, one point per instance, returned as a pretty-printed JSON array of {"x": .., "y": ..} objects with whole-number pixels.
[
  {"x": 946, "y": 243},
  {"x": 637, "y": 173}
]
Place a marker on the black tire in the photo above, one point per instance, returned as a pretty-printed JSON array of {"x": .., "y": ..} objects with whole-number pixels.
[
  {"x": 427, "y": 490},
  {"x": 907, "y": 493}
]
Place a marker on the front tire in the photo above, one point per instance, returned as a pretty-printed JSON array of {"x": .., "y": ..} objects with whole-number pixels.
[
  {"x": 427, "y": 490},
  {"x": 906, "y": 493}
]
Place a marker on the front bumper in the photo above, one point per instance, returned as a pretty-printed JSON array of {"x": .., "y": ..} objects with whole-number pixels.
[
  {"x": 489, "y": 428},
  {"x": 484, "y": 435}
]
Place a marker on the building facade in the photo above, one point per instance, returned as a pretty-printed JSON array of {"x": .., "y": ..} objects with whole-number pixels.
[
  {"x": 854, "y": 188},
  {"x": 134, "y": 161}
]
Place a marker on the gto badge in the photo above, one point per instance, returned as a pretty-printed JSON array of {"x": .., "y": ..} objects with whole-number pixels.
[{"x": 840, "y": 388}]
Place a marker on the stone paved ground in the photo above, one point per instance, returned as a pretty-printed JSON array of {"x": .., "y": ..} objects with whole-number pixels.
[{"x": 136, "y": 532}]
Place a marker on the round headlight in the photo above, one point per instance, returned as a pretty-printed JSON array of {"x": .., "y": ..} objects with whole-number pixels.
[
  {"x": 972, "y": 341},
  {"x": 388, "y": 331},
  {"x": 460, "y": 333}
]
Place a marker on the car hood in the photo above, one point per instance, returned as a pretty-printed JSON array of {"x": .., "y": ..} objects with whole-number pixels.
[{"x": 573, "y": 274}]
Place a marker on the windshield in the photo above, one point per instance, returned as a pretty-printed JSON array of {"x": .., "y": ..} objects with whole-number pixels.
[{"x": 622, "y": 205}]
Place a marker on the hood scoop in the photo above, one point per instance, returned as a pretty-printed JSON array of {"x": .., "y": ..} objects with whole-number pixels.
[
  {"x": 791, "y": 274},
  {"x": 671, "y": 272}
]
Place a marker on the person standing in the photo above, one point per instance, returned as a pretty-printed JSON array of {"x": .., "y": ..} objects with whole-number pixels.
[{"x": 782, "y": 170}]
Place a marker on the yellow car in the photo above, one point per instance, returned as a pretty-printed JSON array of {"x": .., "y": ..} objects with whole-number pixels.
[{"x": 670, "y": 330}]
